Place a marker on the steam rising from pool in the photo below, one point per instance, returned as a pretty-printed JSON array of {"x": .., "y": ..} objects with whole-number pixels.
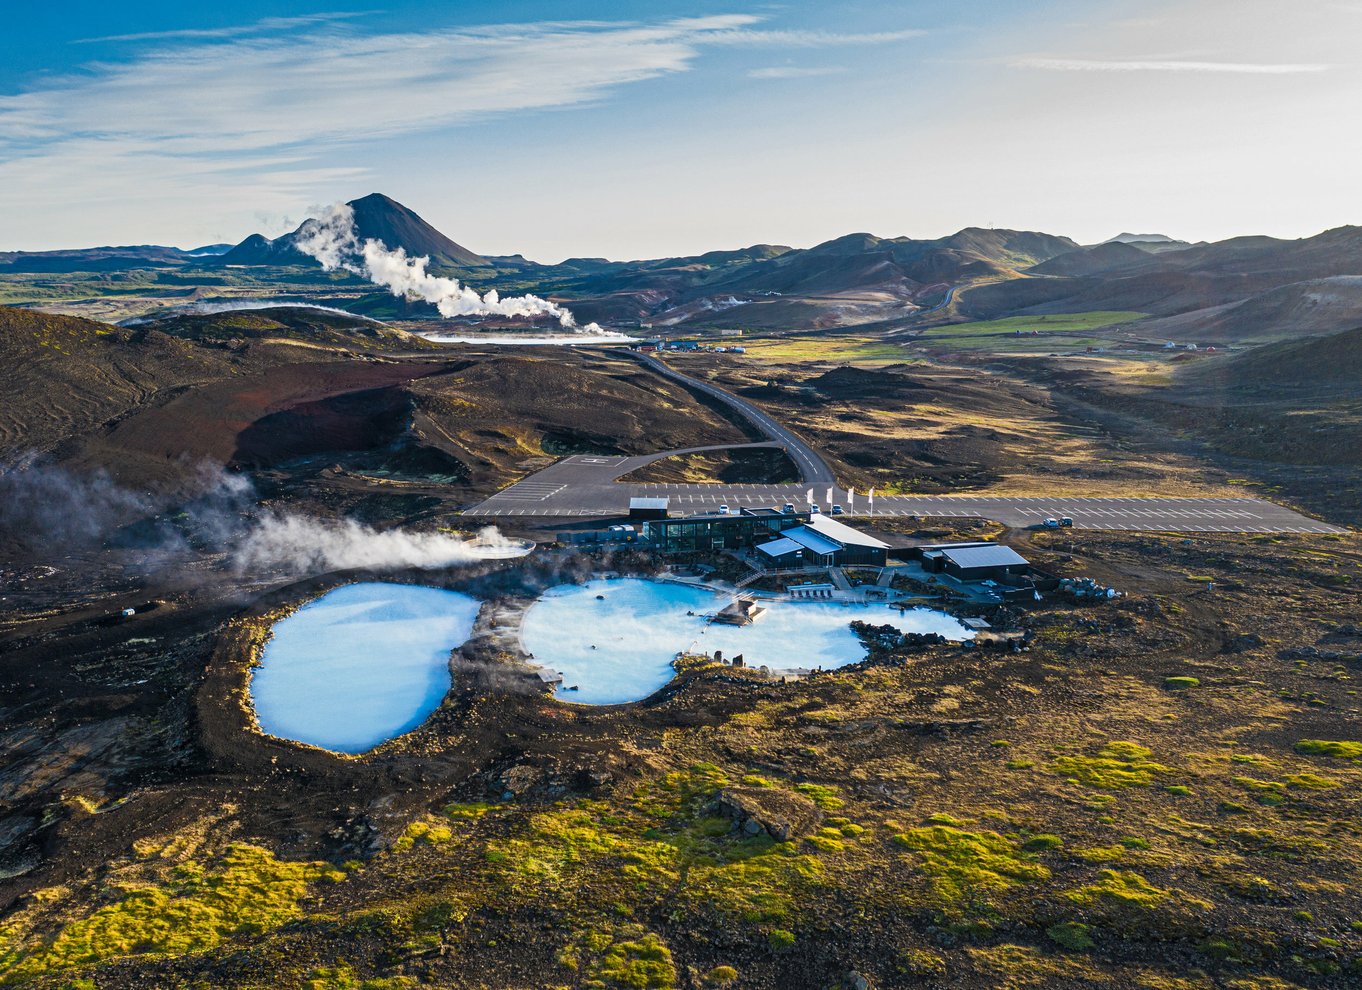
[
  {"x": 620, "y": 648},
  {"x": 306, "y": 544}
]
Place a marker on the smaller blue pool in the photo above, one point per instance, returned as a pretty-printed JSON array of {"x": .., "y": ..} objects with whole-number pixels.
[{"x": 360, "y": 665}]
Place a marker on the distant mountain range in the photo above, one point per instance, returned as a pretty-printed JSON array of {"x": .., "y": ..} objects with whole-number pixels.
[
  {"x": 106, "y": 259},
  {"x": 1244, "y": 287}
]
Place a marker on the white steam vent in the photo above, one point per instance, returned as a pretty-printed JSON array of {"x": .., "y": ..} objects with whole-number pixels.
[
  {"x": 334, "y": 242},
  {"x": 312, "y": 546}
]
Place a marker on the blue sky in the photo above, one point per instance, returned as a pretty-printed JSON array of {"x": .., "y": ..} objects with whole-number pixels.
[{"x": 655, "y": 128}]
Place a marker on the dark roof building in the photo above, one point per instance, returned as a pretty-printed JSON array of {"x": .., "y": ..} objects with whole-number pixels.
[
  {"x": 649, "y": 508},
  {"x": 782, "y": 552},
  {"x": 745, "y": 528},
  {"x": 823, "y": 542},
  {"x": 782, "y": 539},
  {"x": 973, "y": 561}
]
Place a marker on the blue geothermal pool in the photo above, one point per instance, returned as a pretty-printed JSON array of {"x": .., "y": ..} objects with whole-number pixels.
[
  {"x": 360, "y": 665},
  {"x": 621, "y": 648}
]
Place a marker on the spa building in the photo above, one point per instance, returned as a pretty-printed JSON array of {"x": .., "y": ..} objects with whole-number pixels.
[{"x": 777, "y": 538}]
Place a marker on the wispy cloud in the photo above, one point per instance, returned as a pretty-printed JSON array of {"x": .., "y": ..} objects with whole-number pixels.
[
  {"x": 809, "y": 39},
  {"x": 1165, "y": 65},
  {"x": 264, "y": 26},
  {"x": 795, "y": 71},
  {"x": 265, "y": 110},
  {"x": 276, "y": 89}
]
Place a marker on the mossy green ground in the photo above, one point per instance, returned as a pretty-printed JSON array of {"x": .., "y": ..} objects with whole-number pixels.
[
  {"x": 664, "y": 842},
  {"x": 969, "y": 866},
  {"x": 246, "y": 891},
  {"x": 1128, "y": 836},
  {"x": 1338, "y": 749},
  {"x": 1116, "y": 766}
]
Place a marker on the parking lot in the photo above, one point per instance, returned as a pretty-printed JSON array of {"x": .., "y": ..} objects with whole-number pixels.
[{"x": 585, "y": 486}]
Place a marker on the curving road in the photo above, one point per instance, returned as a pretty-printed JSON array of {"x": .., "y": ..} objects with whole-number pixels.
[{"x": 812, "y": 468}]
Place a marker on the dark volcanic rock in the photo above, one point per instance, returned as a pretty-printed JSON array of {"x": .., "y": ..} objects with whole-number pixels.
[{"x": 780, "y": 814}]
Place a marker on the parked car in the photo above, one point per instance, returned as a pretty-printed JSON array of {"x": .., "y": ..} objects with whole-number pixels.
[
  {"x": 723, "y": 510},
  {"x": 814, "y": 509},
  {"x": 1066, "y": 521},
  {"x": 789, "y": 507},
  {"x": 1050, "y": 523},
  {"x": 837, "y": 509}
]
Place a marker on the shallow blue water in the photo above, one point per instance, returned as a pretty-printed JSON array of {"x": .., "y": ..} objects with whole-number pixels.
[
  {"x": 620, "y": 649},
  {"x": 360, "y": 665}
]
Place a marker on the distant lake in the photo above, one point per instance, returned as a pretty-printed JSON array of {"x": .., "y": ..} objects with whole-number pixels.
[
  {"x": 360, "y": 665},
  {"x": 620, "y": 648}
]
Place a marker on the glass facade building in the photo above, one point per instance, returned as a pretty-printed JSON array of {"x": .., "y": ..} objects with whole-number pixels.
[{"x": 699, "y": 534}]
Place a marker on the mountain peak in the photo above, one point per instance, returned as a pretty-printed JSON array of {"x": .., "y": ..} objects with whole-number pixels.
[
  {"x": 377, "y": 217},
  {"x": 376, "y": 198},
  {"x": 1125, "y": 237}
]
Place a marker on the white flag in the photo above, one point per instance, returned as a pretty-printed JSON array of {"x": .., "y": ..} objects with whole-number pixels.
[
  {"x": 851, "y": 498},
  {"x": 829, "y": 496},
  {"x": 872, "y": 494},
  {"x": 810, "y": 498}
]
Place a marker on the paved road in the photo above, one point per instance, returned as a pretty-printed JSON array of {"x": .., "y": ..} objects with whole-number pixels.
[
  {"x": 585, "y": 486},
  {"x": 812, "y": 468}
]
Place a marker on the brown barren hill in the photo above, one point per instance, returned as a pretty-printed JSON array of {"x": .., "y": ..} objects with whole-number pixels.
[
  {"x": 256, "y": 420},
  {"x": 66, "y": 376}
]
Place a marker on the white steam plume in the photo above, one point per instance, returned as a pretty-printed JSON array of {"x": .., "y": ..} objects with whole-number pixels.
[
  {"x": 306, "y": 545},
  {"x": 334, "y": 242},
  {"x": 44, "y": 507}
]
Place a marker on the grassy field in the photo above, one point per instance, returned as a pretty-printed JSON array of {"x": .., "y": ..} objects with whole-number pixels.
[
  {"x": 858, "y": 350},
  {"x": 1063, "y": 332}
]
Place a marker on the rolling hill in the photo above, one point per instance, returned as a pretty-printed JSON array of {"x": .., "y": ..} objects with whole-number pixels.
[
  {"x": 1318, "y": 365},
  {"x": 66, "y": 376},
  {"x": 292, "y": 324},
  {"x": 1244, "y": 289},
  {"x": 1318, "y": 306},
  {"x": 97, "y": 259}
]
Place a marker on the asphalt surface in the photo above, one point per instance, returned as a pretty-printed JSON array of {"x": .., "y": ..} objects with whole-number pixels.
[
  {"x": 812, "y": 468},
  {"x": 585, "y": 485}
]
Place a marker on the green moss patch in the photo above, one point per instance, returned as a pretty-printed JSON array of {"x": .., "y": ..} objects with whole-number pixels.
[
  {"x": 630, "y": 958},
  {"x": 667, "y": 842},
  {"x": 1070, "y": 935},
  {"x": 1117, "y": 765},
  {"x": 244, "y": 892},
  {"x": 822, "y": 795},
  {"x": 1339, "y": 749},
  {"x": 1311, "y": 782},
  {"x": 962, "y": 865},
  {"x": 1125, "y": 890}
]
